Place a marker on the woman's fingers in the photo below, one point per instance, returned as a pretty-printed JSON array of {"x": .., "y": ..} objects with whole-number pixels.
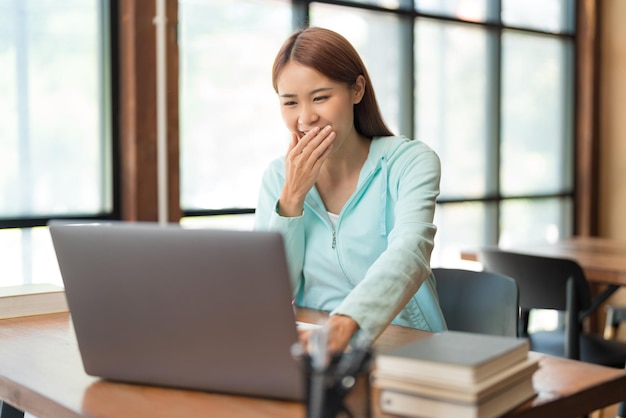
[
  {"x": 303, "y": 163},
  {"x": 303, "y": 338},
  {"x": 293, "y": 143},
  {"x": 301, "y": 142},
  {"x": 340, "y": 330},
  {"x": 313, "y": 145}
]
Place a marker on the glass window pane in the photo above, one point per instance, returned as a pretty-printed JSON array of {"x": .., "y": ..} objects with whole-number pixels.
[
  {"x": 376, "y": 36},
  {"x": 230, "y": 123},
  {"x": 451, "y": 103},
  {"x": 54, "y": 147},
  {"x": 28, "y": 257},
  {"x": 470, "y": 10},
  {"x": 535, "y": 220},
  {"x": 548, "y": 15},
  {"x": 536, "y": 151},
  {"x": 460, "y": 226}
]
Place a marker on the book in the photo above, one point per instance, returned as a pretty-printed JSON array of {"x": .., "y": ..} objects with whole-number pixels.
[
  {"x": 453, "y": 357},
  {"x": 31, "y": 299},
  {"x": 411, "y": 405},
  {"x": 474, "y": 393}
]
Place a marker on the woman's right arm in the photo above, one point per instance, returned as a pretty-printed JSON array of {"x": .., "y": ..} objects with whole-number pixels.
[
  {"x": 303, "y": 162},
  {"x": 283, "y": 190},
  {"x": 267, "y": 218}
]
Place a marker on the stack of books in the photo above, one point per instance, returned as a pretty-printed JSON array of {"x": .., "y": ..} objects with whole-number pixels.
[
  {"x": 31, "y": 299},
  {"x": 456, "y": 374}
]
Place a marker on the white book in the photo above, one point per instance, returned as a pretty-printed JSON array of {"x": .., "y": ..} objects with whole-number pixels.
[
  {"x": 473, "y": 393},
  {"x": 454, "y": 357},
  {"x": 411, "y": 405},
  {"x": 31, "y": 299}
]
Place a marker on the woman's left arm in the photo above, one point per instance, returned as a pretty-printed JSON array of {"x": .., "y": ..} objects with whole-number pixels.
[{"x": 397, "y": 274}]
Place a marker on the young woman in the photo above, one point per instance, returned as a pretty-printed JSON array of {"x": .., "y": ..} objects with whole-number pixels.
[{"x": 354, "y": 203}]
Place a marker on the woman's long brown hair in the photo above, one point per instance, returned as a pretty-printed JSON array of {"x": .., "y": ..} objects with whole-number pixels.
[{"x": 332, "y": 55}]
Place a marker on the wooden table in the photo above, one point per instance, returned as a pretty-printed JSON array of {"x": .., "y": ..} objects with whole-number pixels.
[
  {"x": 41, "y": 372},
  {"x": 602, "y": 259}
]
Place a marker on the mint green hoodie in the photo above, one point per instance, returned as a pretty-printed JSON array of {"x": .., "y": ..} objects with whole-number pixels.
[{"x": 374, "y": 266}]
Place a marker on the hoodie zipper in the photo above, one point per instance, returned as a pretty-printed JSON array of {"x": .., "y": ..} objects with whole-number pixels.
[{"x": 334, "y": 231}]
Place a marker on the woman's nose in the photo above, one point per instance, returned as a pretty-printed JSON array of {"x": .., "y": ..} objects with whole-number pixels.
[{"x": 307, "y": 116}]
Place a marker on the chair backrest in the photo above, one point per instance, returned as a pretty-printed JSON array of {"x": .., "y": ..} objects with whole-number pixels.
[
  {"x": 545, "y": 283},
  {"x": 542, "y": 281},
  {"x": 478, "y": 301}
]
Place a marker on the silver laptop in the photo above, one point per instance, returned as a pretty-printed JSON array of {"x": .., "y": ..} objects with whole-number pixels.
[{"x": 198, "y": 309}]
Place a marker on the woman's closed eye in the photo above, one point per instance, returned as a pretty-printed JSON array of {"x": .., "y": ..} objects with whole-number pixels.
[{"x": 320, "y": 98}]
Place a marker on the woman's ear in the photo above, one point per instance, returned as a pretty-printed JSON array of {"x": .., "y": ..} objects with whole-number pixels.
[{"x": 358, "y": 89}]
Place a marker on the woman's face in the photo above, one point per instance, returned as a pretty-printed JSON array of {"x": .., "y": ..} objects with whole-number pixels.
[{"x": 309, "y": 99}]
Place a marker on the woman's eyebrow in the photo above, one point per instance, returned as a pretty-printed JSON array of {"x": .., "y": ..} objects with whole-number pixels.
[
  {"x": 321, "y": 89},
  {"x": 311, "y": 93}
]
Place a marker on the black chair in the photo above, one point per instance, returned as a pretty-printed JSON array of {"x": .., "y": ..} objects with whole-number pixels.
[
  {"x": 479, "y": 302},
  {"x": 8, "y": 411},
  {"x": 559, "y": 284}
]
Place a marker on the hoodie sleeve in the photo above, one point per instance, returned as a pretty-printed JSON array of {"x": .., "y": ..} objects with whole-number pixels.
[
  {"x": 291, "y": 228},
  {"x": 397, "y": 274}
]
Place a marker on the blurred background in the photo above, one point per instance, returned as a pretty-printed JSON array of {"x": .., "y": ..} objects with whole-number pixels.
[{"x": 521, "y": 99}]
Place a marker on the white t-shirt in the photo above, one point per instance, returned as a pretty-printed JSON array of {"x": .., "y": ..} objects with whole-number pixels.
[{"x": 333, "y": 218}]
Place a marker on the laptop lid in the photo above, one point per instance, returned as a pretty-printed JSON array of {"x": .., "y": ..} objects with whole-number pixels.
[{"x": 190, "y": 308}]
